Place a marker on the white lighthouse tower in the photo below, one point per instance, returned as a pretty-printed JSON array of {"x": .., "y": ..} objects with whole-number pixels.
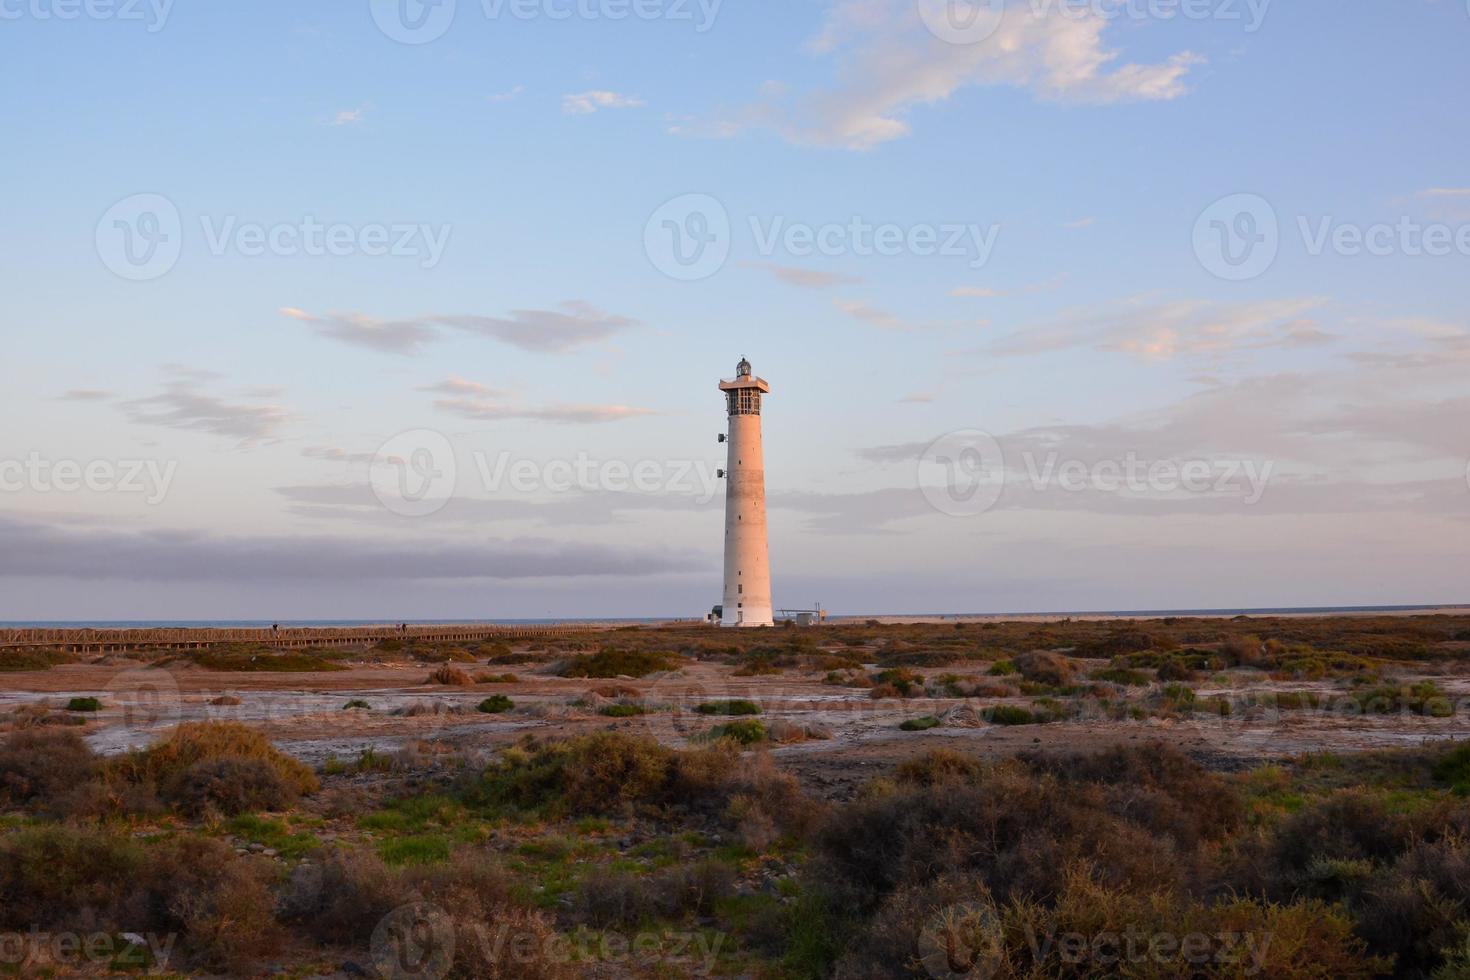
[{"x": 747, "y": 562}]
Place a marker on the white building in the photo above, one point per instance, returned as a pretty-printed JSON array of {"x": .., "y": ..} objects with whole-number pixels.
[{"x": 747, "y": 561}]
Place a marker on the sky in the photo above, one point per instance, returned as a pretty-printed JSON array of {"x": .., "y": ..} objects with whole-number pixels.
[{"x": 385, "y": 309}]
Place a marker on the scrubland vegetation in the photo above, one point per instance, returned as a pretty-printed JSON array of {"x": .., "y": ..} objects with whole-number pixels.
[
  {"x": 1337, "y": 866},
  {"x": 597, "y": 847}
]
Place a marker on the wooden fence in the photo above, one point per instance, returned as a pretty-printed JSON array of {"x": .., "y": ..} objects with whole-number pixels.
[{"x": 122, "y": 640}]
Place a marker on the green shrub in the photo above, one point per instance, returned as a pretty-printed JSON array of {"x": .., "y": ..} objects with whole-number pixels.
[
  {"x": 920, "y": 724},
  {"x": 736, "y": 707},
  {"x": 357, "y": 704},
  {"x": 84, "y": 704},
  {"x": 745, "y": 731},
  {"x": 618, "y": 663},
  {"x": 1003, "y": 668},
  {"x": 1122, "y": 675},
  {"x": 497, "y": 704},
  {"x": 1008, "y": 714},
  {"x": 622, "y": 710}
]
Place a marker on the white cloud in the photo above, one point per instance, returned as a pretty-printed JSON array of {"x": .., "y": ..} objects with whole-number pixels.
[
  {"x": 349, "y": 117},
  {"x": 1161, "y": 331},
  {"x": 387, "y": 336},
  {"x": 574, "y": 324},
  {"x": 472, "y": 400},
  {"x": 586, "y": 103},
  {"x": 887, "y": 63},
  {"x": 507, "y": 96},
  {"x": 805, "y": 278},
  {"x": 1448, "y": 203}
]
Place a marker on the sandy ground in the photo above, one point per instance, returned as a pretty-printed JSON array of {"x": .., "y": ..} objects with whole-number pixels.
[{"x": 304, "y": 713}]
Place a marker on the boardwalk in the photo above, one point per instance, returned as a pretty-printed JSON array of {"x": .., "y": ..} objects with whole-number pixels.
[{"x": 124, "y": 640}]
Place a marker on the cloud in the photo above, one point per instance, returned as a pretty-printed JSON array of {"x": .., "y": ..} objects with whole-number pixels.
[
  {"x": 1160, "y": 331},
  {"x": 336, "y": 455},
  {"x": 1080, "y": 223},
  {"x": 183, "y": 405},
  {"x": 87, "y": 395},
  {"x": 884, "y": 320},
  {"x": 804, "y": 278},
  {"x": 887, "y": 63},
  {"x": 404, "y": 337},
  {"x": 572, "y": 325},
  {"x": 870, "y": 314},
  {"x": 1448, "y": 203},
  {"x": 985, "y": 292},
  {"x": 507, "y": 96},
  {"x": 32, "y": 549},
  {"x": 494, "y": 408},
  {"x": 586, "y": 103},
  {"x": 349, "y": 117}
]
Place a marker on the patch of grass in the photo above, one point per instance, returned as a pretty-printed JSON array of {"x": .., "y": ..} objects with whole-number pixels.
[
  {"x": 274, "y": 834},
  {"x": 1122, "y": 675},
  {"x": 497, "y": 679},
  {"x": 1009, "y": 714},
  {"x": 744, "y": 731},
  {"x": 920, "y": 724},
  {"x": 497, "y": 704},
  {"x": 18, "y": 660},
  {"x": 1003, "y": 668},
  {"x": 84, "y": 704},
  {"x": 284, "y": 663},
  {"x": 1453, "y": 770},
  {"x": 423, "y": 849},
  {"x": 622, "y": 710},
  {"x": 733, "y": 708},
  {"x": 618, "y": 663}
]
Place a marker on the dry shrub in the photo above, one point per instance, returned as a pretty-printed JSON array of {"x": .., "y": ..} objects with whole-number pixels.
[
  {"x": 451, "y": 676},
  {"x": 343, "y": 900},
  {"x": 70, "y": 879},
  {"x": 1046, "y": 667},
  {"x": 195, "y": 765},
  {"x": 609, "y": 899},
  {"x": 1014, "y": 826},
  {"x": 40, "y": 765},
  {"x": 936, "y": 767}
]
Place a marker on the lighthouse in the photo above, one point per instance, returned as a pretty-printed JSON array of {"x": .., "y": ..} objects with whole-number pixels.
[{"x": 747, "y": 563}]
